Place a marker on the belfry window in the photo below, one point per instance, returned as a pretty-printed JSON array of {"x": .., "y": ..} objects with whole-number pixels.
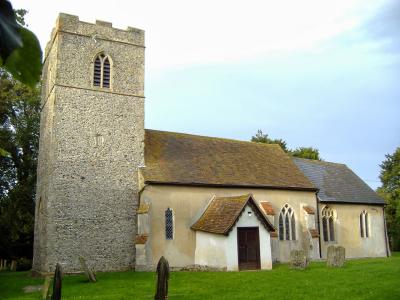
[
  {"x": 169, "y": 224},
  {"x": 287, "y": 224},
  {"x": 328, "y": 224},
  {"x": 364, "y": 228},
  {"x": 102, "y": 71}
]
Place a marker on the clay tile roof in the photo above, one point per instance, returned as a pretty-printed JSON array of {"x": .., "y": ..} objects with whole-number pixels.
[
  {"x": 222, "y": 213},
  {"x": 177, "y": 158},
  {"x": 269, "y": 210},
  {"x": 337, "y": 183},
  {"x": 309, "y": 209},
  {"x": 314, "y": 233},
  {"x": 141, "y": 239},
  {"x": 143, "y": 208}
]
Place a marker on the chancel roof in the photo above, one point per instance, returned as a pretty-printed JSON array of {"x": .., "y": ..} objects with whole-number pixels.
[
  {"x": 337, "y": 183},
  {"x": 177, "y": 158},
  {"x": 222, "y": 213}
]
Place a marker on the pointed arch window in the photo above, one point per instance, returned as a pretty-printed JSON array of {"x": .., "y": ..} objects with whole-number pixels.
[
  {"x": 328, "y": 224},
  {"x": 364, "y": 226},
  {"x": 102, "y": 71},
  {"x": 287, "y": 224},
  {"x": 169, "y": 224}
]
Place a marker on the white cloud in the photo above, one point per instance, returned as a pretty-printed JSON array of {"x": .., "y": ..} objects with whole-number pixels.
[{"x": 184, "y": 33}]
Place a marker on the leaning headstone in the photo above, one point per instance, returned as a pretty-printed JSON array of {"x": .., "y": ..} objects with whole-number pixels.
[
  {"x": 57, "y": 283},
  {"x": 335, "y": 256},
  {"x": 298, "y": 259},
  {"x": 162, "y": 279},
  {"x": 46, "y": 288},
  {"x": 306, "y": 245},
  {"x": 89, "y": 274},
  {"x": 13, "y": 266}
]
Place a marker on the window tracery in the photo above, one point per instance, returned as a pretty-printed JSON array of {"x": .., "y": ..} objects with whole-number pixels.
[
  {"x": 364, "y": 226},
  {"x": 102, "y": 71},
  {"x": 328, "y": 224},
  {"x": 287, "y": 224}
]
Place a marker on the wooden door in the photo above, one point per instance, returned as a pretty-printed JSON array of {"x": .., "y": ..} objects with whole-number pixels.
[{"x": 248, "y": 248}]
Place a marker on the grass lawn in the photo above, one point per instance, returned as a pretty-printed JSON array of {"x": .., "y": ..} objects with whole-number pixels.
[{"x": 359, "y": 279}]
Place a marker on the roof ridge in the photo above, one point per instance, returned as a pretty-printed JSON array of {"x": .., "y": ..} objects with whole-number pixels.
[
  {"x": 322, "y": 162},
  {"x": 181, "y": 158},
  {"x": 212, "y": 137},
  {"x": 216, "y": 208}
]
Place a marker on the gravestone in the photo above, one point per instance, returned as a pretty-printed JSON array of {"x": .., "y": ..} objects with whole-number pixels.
[
  {"x": 340, "y": 256},
  {"x": 162, "y": 279},
  {"x": 13, "y": 266},
  {"x": 89, "y": 274},
  {"x": 306, "y": 245},
  {"x": 32, "y": 288},
  {"x": 1, "y": 264},
  {"x": 335, "y": 256},
  {"x": 46, "y": 288},
  {"x": 57, "y": 283},
  {"x": 330, "y": 256},
  {"x": 298, "y": 259}
]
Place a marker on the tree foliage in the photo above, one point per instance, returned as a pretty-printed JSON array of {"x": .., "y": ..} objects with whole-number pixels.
[
  {"x": 306, "y": 152},
  {"x": 19, "y": 135},
  {"x": 260, "y": 137},
  {"x": 390, "y": 191},
  {"x": 20, "y": 52},
  {"x": 302, "y": 152}
]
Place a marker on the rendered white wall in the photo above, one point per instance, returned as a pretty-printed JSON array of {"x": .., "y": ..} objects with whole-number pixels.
[
  {"x": 210, "y": 249},
  {"x": 217, "y": 250}
]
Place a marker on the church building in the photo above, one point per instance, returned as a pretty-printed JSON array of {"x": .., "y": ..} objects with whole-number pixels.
[{"x": 122, "y": 196}]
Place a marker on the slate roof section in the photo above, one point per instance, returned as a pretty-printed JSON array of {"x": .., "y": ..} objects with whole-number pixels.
[
  {"x": 337, "y": 183},
  {"x": 177, "y": 158},
  {"x": 222, "y": 214}
]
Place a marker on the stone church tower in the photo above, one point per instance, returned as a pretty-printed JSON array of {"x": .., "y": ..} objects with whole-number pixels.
[{"x": 91, "y": 146}]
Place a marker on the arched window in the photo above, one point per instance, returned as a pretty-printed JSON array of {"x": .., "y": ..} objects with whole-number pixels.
[
  {"x": 102, "y": 71},
  {"x": 287, "y": 224},
  {"x": 364, "y": 228},
  {"x": 328, "y": 224},
  {"x": 169, "y": 224}
]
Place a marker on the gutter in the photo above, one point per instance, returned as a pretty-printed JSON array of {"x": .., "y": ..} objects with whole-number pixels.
[{"x": 228, "y": 185}]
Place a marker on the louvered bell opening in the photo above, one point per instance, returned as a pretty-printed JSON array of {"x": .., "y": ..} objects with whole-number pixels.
[
  {"x": 97, "y": 72},
  {"x": 106, "y": 73}
]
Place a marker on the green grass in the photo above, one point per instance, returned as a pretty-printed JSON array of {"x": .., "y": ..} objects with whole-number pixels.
[{"x": 359, "y": 279}]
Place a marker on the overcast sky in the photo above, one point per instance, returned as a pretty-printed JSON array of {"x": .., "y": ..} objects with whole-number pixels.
[{"x": 315, "y": 73}]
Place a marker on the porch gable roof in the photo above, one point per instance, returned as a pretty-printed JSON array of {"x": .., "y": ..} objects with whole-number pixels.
[{"x": 222, "y": 213}]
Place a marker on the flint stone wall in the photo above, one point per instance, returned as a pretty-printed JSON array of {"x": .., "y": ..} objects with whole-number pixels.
[{"x": 91, "y": 146}]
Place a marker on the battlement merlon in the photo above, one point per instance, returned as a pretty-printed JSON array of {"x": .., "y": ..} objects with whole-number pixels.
[{"x": 100, "y": 30}]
